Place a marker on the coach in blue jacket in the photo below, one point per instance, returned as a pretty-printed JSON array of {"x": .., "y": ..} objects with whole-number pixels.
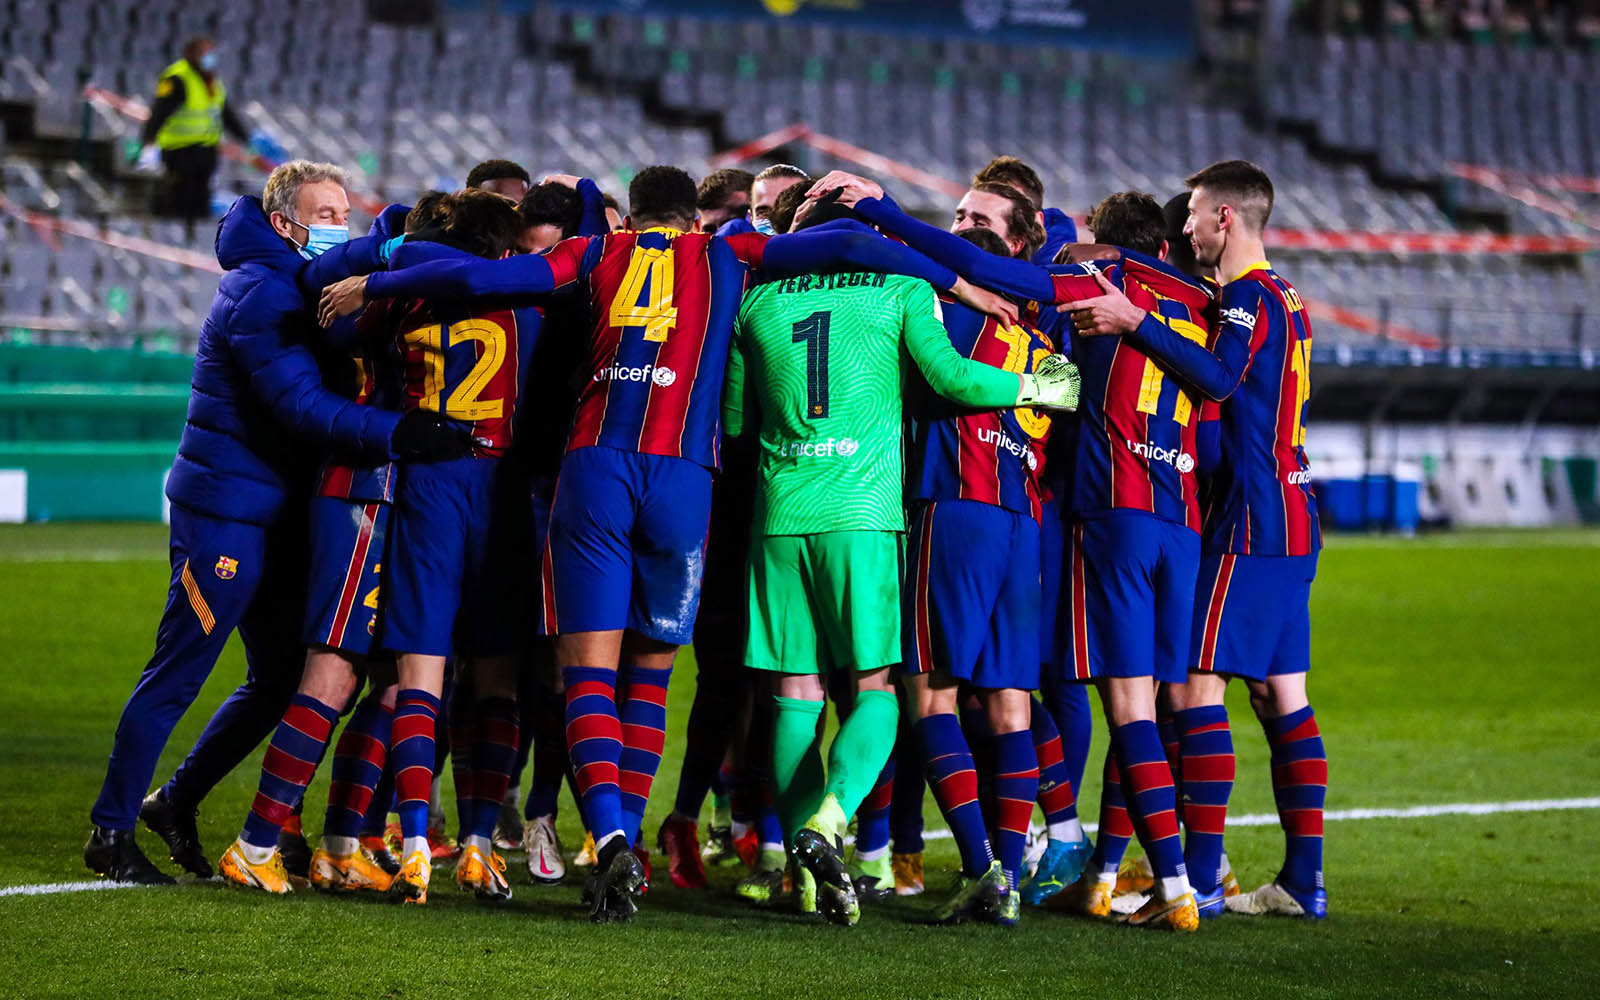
[{"x": 259, "y": 420}]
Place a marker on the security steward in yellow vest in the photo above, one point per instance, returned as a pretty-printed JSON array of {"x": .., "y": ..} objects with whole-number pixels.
[{"x": 187, "y": 120}]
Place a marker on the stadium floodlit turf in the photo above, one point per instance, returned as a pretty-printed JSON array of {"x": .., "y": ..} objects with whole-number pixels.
[{"x": 1456, "y": 668}]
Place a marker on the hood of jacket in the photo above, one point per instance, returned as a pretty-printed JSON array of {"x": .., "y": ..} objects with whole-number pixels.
[{"x": 244, "y": 236}]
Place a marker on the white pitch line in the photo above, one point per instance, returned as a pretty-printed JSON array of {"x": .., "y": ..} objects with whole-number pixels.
[{"x": 1248, "y": 819}]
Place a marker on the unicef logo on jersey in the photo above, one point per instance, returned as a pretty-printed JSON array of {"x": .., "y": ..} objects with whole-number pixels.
[
  {"x": 663, "y": 376},
  {"x": 832, "y": 447},
  {"x": 1180, "y": 460},
  {"x": 848, "y": 446}
]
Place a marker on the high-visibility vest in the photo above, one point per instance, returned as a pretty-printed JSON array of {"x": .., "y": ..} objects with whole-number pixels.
[{"x": 199, "y": 121}]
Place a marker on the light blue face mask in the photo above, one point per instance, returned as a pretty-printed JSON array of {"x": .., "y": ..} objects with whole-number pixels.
[
  {"x": 320, "y": 239},
  {"x": 208, "y": 62},
  {"x": 763, "y": 226}
]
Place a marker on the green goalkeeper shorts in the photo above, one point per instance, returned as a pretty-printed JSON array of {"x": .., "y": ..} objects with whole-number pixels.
[{"x": 826, "y": 601}]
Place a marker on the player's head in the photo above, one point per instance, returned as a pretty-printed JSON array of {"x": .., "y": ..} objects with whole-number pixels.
[
  {"x": 1015, "y": 174},
  {"x": 613, "y": 211},
  {"x": 424, "y": 215},
  {"x": 504, "y": 178},
  {"x": 787, "y": 207},
  {"x": 662, "y": 196},
  {"x": 1005, "y": 210},
  {"x": 301, "y": 194},
  {"x": 821, "y": 210},
  {"x": 1232, "y": 198},
  {"x": 724, "y": 195},
  {"x": 986, "y": 240},
  {"x": 767, "y": 186},
  {"x": 1133, "y": 220},
  {"x": 478, "y": 222},
  {"x": 550, "y": 213},
  {"x": 1180, "y": 252}
]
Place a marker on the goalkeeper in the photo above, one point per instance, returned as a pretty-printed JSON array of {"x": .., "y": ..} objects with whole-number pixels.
[{"x": 816, "y": 371}]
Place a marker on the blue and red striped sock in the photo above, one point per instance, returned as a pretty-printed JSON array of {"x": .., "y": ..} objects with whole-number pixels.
[
  {"x": 872, "y": 819},
  {"x": 954, "y": 781},
  {"x": 1057, "y": 797},
  {"x": 1152, "y": 802},
  {"x": 1208, "y": 767},
  {"x": 292, "y": 758},
  {"x": 358, "y": 760},
  {"x": 644, "y": 735},
  {"x": 1016, "y": 785},
  {"x": 494, "y": 754},
  {"x": 1300, "y": 787},
  {"x": 1171, "y": 745},
  {"x": 411, "y": 754},
  {"x": 594, "y": 740},
  {"x": 1116, "y": 829}
]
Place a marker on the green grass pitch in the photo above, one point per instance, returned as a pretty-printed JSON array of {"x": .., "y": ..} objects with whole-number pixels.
[{"x": 1449, "y": 669}]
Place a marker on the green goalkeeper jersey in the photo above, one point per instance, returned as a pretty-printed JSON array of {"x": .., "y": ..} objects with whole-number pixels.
[{"x": 816, "y": 369}]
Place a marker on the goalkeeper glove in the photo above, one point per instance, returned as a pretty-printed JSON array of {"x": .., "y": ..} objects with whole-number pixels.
[
  {"x": 1052, "y": 385},
  {"x": 425, "y": 436}
]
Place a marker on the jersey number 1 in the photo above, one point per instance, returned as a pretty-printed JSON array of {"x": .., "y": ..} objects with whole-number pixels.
[{"x": 813, "y": 331}]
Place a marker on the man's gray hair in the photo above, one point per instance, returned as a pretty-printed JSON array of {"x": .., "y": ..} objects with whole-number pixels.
[{"x": 284, "y": 183}]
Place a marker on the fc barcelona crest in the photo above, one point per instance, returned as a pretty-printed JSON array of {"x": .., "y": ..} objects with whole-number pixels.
[{"x": 226, "y": 567}]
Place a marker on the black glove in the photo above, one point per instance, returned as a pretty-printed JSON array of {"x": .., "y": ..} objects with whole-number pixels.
[{"x": 425, "y": 436}]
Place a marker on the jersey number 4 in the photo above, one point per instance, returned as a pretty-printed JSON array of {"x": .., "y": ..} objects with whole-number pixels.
[
  {"x": 813, "y": 332},
  {"x": 645, "y": 298}
]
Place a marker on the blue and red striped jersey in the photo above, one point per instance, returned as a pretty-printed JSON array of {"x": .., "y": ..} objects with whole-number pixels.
[
  {"x": 467, "y": 361},
  {"x": 1260, "y": 499},
  {"x": 376, "y": 383},
  {"x": 1136, "y": 430},
  {"x": 992, "y": 456},
  {"x": 661, "y": 309}
]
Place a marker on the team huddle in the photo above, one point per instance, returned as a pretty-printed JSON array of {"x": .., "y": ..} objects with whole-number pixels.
[{"x": 496, "y": 462}]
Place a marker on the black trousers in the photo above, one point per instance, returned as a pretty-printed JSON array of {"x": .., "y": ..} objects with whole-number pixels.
[{"x": 185, "y": 188}]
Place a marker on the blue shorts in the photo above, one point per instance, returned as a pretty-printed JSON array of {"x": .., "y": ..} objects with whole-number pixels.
[
  {"x": 970, "y": 607},
  {"x": 1252, "y": 615},
  {"x": 458, "y": 560},
  {"x": 342, "y": 595},
  {"x": 627, "y": 544},
  {"x": 1129, "y": 597}
]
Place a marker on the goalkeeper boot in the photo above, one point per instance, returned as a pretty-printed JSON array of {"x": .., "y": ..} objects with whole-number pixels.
[
  {"x": 678, "y": 839},
  {"x": 267, "y": 875},
  {"x": 1060, "y": 865},
  {"x": 545, "y": 863},
  {"x": 907, "y": 873},
  {"x": 483, "y": 874},
  {"x": 1177, "y": 914},
  {"x": 804, "y": 890},
  {"x": 1135, "y": 875},
  {"x": 765, "y": 882},
  {"x": 1279, "y": 899},
  {"x": 176, "y": 826},
  {"x": 411, "y": 885},
  {"x": 975, "y": 898},
  {"x": 873, "y": 879},
  {"x": 115, "y": 855},
  {"x": 358, "y": 872},
  {"x": 1088, "y": 897},
  {"x": 819, "y": 847}
]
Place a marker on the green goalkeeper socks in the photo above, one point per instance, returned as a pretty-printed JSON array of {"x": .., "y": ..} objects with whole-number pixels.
[
  {"x": 861, "y": 748},
  {"x": 797, "y": 777}
]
